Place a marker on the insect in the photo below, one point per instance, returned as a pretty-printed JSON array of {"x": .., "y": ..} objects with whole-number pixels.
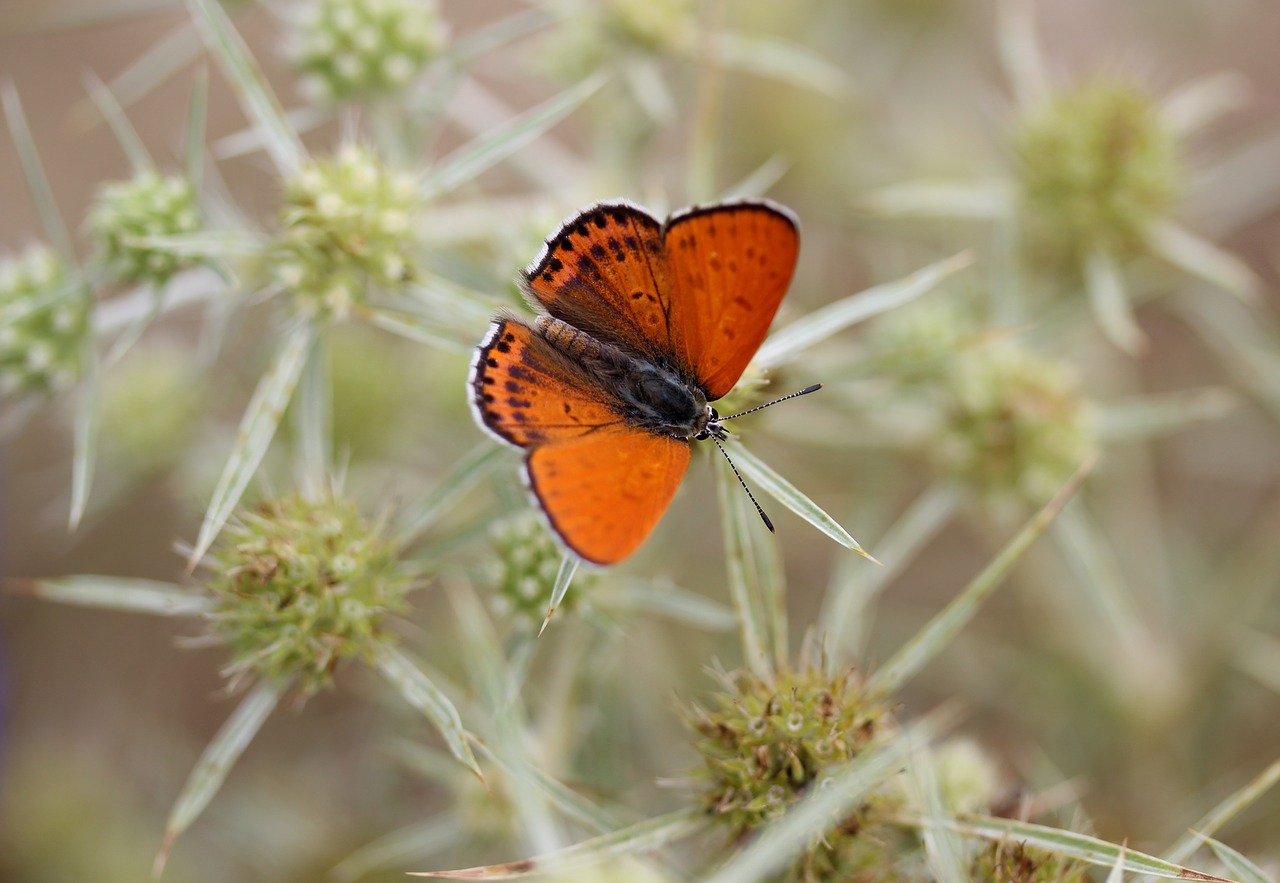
[{"x": 647, "y": 322}]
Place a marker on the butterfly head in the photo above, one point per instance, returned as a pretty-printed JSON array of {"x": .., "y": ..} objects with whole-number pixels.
[{"x": 709, "y": 426}]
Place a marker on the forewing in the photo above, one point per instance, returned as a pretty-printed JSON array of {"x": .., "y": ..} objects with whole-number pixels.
[
  {"x": 603, "y": 273},
  {"x": 603, "y": 492},
  {"x": 728, "y": 268},
  {"x": 527, "y": 393}
]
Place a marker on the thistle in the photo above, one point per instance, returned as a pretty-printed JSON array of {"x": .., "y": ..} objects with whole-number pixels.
[
  {"x": 349, "y": 48},
  {"x": 525, "y": 567},
  {"x": 1014, "y": 423},
  {"x": 147, "y": 205},
  {"x": 1097, "y": 169},
  {"x": 767, "y": 741},
  {"x": 43, "y": 321},
  {"x": 302, "y": 586},
  {"x": 1013, "y": 862},
  {"x": 347, "y": 228}
]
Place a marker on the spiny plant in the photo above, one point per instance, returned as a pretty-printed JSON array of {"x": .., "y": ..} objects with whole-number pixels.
[{"x": 808, "y": 765}]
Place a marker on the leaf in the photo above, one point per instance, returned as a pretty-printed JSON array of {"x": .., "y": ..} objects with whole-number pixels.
[
  {"x": 1197, "y": 104},
  {"x": 1201, "y": 258},
  {"x": 84, "y": 432},
  {"x": 670, "y": 601},
  {"x": 641, "y": 837},
  {"x": 1020, "y": 55},
  {"x": 413, "y": 842},
  {"x": 564, "y": 576},
  {"x": 257, "y": 427},
  {"x": 966, "y": 200},
  {"x": 1111, "y": 304},
  {"x": 413, "y": 327},
  {"x": 33, "y": 170},
  {"x": 197, "y": 115},
  {"x": 422, "y": 693},
  {"x": 925, "y": 644},
  {"x": 1072, "y": 845},
  {"x": 205, "y": 243},
  {"x": 1158, "y": 414},
  {"x": 1236, "y": 863},
  {"x": 739, "y": 526},
  {"x": 457, "y": 482},
  {"x": 944, "y": 850},
  {"x": 313, "y": 424},
  {"x": 786, "y": 62},
  {"x": 796, "y": 339},
  {"x": 216, "y": 761},
  {"x": 121, "y": 593},
  {"x": 256, "y": 98},
  {"x": 126, "y": 136},
  {"x": 855, "y": 586},
  {"x": 760, "y": 181},
  {"x": 788, "y": 495},
  {"x": 1224, "y": 812},
  {"x": 495, "y": 145}
]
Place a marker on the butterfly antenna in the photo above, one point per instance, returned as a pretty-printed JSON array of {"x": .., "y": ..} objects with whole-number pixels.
[
  {"x": 765, "y": 518},
  {"x": 803, "y": 392}
]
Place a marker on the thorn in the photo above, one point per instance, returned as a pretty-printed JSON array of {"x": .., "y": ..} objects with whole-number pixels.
[{"x": 551, "y": 611}]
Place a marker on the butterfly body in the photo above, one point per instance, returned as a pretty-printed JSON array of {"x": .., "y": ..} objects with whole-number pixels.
[
  {"x": 650, "y": 396},
  {"x": 646, "y": 323}
]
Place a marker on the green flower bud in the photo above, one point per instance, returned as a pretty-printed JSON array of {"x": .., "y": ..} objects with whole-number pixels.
[
  {"x": 524, "y": 568},
  {"x": 148, "y": 204},
  {"x": 654, "y": 26},
  {"x": 43, "y": 322},
  {"x": 345, "y": 48},
  {"x": 301, "y": 587},
  {"x": 346, "y": 227},
  {"x": 766, "y": 742},
  {"x": 1097, "y": 167},
  {"x": 1014, "y": 424}
]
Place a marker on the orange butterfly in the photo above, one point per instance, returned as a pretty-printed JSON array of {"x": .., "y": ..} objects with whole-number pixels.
[{"x": 647, "y": 323}]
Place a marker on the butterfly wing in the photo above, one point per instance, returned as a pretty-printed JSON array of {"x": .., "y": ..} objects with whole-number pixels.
[
  {"x": 527, "y": 393},
  {"x": 728, "y": 267},
  {"x": 602, "y": 483},
  {"x": 604, "y": 492},
  {"x": 603, "y": 272}
]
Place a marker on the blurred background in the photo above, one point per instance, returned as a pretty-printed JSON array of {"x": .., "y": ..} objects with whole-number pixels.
[{"x": 1150, "y": 716}]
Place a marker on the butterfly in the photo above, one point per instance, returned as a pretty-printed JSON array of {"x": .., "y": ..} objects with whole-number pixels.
[{"x": 647, "y": 322}]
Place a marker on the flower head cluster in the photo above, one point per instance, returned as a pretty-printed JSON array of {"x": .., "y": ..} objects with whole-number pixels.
[
  {"x": 1014, "y": 423},
  {"x": 525, "y": 567},
  {"x": 148, "y": 204},
  {"x": 346, "y": 226},
  {"x": 1096, "y": 167},
  {"x": 767, "y": 741},
  {"x": 346, "y": 48},
  {"x": 597, "y": 33},
  {"x": 302, "y": 586},
  {"x": 43, "y": 320},
  {"x": 650, "y": 25}
]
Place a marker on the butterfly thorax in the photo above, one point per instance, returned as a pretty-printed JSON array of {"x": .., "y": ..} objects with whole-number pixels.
[{"x": 650, "y": 395}]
